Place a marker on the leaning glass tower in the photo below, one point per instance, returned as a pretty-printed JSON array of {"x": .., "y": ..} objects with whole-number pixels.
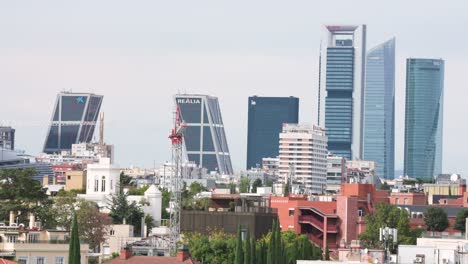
[
  {"x": 379, "y": 108},
  {"x": 204, "y": 139},
  {"x": 424, "y": 117},
  {"x": 73, "y": 121}
]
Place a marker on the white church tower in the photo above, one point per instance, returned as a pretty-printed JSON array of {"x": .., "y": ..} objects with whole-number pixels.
[{"x": 102, "y": 183}]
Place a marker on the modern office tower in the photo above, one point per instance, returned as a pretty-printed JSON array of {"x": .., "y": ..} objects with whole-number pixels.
[
  {"x": 73, "y": 121},
  {"x": 336, "y": 173},
  {"x": 204, "y": 139},
  {"x": 343, "y": 64},
  {"x": 7, "y": 138},
  {"x": 266, "y": 118},
  {"x": 303, "y": 158},
  {"x": 379, "y": 108},
  {"x": 424, "y": 117}
]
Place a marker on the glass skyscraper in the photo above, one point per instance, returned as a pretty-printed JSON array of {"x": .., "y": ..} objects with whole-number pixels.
[
  {"x": 344, "y": 79},
  {"x": 266, "y": 118},
  {"x": 73, "y": 121},
  {"x": 424, "y": 117},
  {"x": 204, "y": 139},
  {"x": 379, "y": 108}
]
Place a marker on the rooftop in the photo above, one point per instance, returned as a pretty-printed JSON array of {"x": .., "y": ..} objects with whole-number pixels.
[{"x": 151, "y": 260}]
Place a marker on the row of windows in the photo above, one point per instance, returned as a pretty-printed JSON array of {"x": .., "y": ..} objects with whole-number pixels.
[{"x": 40, "y": 260}]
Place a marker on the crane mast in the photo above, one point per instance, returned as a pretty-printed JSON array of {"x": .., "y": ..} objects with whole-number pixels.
[{"x": 176, "y": 137}]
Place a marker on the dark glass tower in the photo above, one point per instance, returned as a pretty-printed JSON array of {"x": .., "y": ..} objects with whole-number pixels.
[
  {"x": 379, "y": 108},
  {"x": 73, "y": 121},
  {"x": 424, "y": 117},
  {"x": 344, "y": 80},
  {"x": 204, "y": 139},
  {"x": 266, "y": 118}
]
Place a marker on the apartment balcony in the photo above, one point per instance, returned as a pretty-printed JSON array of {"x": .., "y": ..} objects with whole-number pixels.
[{"x": 309, "y": 219}]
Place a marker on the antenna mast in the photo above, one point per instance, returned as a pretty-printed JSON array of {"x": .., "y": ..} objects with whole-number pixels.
[
  {"x": 319, "y": 83},
  {"x": 176, "y": 137}
]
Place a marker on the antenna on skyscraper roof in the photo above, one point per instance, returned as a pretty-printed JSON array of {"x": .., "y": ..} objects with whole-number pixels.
[{"x": 319, "y": 84}]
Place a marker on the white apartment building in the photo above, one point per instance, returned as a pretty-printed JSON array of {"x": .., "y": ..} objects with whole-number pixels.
[{"x": 303, "y": 158}]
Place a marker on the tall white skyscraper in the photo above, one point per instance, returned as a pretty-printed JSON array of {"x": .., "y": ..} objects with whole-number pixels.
[
  {"x": 303, "y": 158},
  {"x": 343, "y": 73}
]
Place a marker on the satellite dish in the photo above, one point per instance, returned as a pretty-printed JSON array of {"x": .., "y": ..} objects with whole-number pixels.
[{"x": 454, "y": 177}]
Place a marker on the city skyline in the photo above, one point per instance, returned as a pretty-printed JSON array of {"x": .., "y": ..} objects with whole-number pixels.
[{"x": 44, "y": 60}]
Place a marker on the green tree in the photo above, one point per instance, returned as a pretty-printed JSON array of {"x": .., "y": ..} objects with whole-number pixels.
[
  {"x": 436, "y": 219},
  {"x": 74, "y": 255},
  {"x": 286, "y": 190},
  {"x": 327, "y": 253},
  {"x": 19, "y": 192},
  {"x": 460, "y": 222},
  {"x": 257, "y": 183},
  {"x": 166, "y": 198},
  {"x": 196, "y": 187},
  {"x": 253, "y": 251},
  {"x": 385, "y": 186},
  {"x": 239, "y": 247},
  {"x": 247, "y": 249},
  {"x": 232, "y": 188},
  {"x": 244, "y": 185},
  {"x": 93, "y": 224},
  {"x": 386, "y": 215},
  {"x": 123, "y": 212},
  {"x": 125, "y": 180}
]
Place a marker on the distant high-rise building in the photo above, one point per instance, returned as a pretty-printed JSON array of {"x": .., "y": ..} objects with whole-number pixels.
[
  {"x": 343, "y": 64},
  {"x": 303, "y": 158},
  {"x": 424, "y": 117},
  {"x": 336, "y": 173},
  {"x": 7, "y": 138},
  {"x": 266, "y": 118},
  {"x": 204, "y": 139},
  {"x": 379, "y": 108},
  {"x": 73, "y": 121}
]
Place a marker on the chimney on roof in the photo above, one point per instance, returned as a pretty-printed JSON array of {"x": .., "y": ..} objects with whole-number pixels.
[
  {"x": 12, "y": 218},
  {"x": 125, "y": 253},
  {"x": 183, "y": 254}
]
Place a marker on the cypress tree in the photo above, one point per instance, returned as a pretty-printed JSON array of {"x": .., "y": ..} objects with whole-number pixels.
[
  {"x": 278, "y": 249},
  {"x": 74, "y": 256},
  {"x": 327, "y": 253},
  {"x": 271, "y": 245},
  {"x": 253, "y": 250},
  {"x": 247, "y": 247},
  {"x": 239, "y": 251}
]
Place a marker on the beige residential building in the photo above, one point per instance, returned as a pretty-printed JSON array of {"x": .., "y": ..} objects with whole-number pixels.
[
  {"x": 36, "y": 246},
  {"x": 303, "y": 158},
  {"x": 75, "y": 179}
]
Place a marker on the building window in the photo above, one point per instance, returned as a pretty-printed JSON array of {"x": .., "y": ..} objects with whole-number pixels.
[
  {"x": 32, "y": 238},
  {"x": 69, "y": 177},
  {"x": 397, "y": 201},
  {"x": 291, "y": 212},
  {"x": 103, "y": 186},
  {"x": 12, "y": 239},
  {"x": 22, "y": 260},
  {"x": 405, "y": 201},
  {"x": 360, "y": 212},
  {"x": 40, "y": 260},
  {"x": 112, "y": 232},
  {"x": 112, "y": 183},
  {"x": 59, "y": 260},
  {"x": 96, "y": 185}
]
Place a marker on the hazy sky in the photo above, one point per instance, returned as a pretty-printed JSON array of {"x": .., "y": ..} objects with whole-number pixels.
[{"x": 139, "y": 53}]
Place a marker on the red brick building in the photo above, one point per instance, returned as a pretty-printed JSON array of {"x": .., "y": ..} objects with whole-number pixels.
[
  {"x": 408, "y": 198},
  {"x": 329, "y": 223}
]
